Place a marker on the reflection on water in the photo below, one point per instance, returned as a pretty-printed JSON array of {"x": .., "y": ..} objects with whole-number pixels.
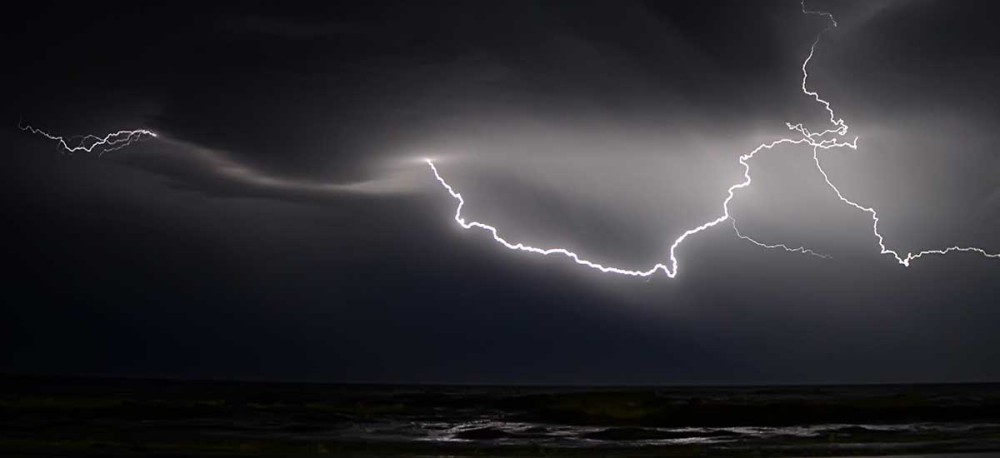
[
  {"x": 488, "y": 432},
  {"x": 520, "y": 433},
  {"x": 46, "y": 416}
]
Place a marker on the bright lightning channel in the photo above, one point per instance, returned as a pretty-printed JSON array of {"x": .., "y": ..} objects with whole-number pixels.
[
  {"x": 813, "y": 139},
  {"x": 841, "y": 129},
  {"x": 88, "y": 143},
  {"x": 816, "y": 140}
]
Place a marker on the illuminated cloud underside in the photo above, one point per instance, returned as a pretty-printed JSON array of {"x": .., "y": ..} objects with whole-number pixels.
[
  {"x": 829, "y": 138},
  {"x": 825, "y": 139}
]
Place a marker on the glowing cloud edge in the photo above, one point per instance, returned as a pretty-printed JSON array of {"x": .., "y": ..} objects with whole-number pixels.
[
  {"x": 817, "y": 140},
  {"x": 814, "y": 139}
]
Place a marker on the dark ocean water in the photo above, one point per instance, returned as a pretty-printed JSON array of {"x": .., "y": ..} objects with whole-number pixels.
[{"x": 48, "y": 416}]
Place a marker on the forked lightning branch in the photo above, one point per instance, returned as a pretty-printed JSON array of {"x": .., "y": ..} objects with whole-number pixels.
[
  {"x": 834, "y": 136},
  {"x": 831, "y": 137}
]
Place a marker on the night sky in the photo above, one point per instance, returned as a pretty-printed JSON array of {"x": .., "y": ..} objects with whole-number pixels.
[{"x": 283, "y": 227}]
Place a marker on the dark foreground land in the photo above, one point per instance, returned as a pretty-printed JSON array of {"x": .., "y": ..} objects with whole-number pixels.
[{"x": 59, "y": 416}]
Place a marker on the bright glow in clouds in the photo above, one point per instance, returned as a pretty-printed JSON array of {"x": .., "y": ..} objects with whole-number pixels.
[
  {"x": 825, "y": 139},
  {"x": 829, "y": 138}
]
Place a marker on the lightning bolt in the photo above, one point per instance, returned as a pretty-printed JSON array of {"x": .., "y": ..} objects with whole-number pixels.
[
  {"x": 816, "y": 140},
  {"x": 829, "y": 138},
  {"x": 88, "y": 143},
  {"x": 841, "y": 130},
  {"x": 775, "y": 246}
]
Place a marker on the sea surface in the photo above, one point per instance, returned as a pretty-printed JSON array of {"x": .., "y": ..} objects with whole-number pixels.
[{"x": 79, "y": 416}]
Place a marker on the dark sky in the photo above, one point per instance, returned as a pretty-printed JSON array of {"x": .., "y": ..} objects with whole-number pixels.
[{"x": 283, "y": 227}]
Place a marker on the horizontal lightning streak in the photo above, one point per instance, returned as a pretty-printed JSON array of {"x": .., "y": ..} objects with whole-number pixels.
[
  {"x": 782, "y": 246},
  {"x": 814, "y": 139},
  {"x": 671, "y": 269},
  {"x": 87, "y": 144},
  {"x": 904, "y": 260}
]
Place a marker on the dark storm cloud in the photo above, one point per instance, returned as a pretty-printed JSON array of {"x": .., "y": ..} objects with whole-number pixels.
[
  {"x": 293, "y": 28},
  {"x": 296, "y": 103},
  {"x": 285, "y": 228}
]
